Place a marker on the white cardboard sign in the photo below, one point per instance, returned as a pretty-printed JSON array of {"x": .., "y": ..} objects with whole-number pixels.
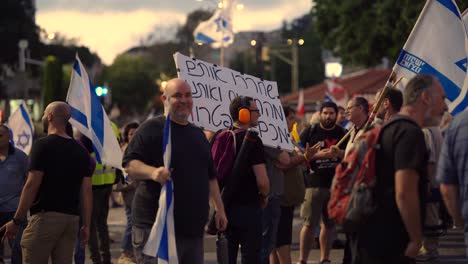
[{"x": 214, "y": 87}]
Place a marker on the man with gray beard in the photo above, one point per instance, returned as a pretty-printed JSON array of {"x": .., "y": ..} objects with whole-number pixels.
[{"x": 393, "y": 233}]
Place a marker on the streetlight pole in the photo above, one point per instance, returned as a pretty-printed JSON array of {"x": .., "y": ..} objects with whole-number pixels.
[
  {"x": 295, "y": 67},
  {"x": 293, "y": 61}
]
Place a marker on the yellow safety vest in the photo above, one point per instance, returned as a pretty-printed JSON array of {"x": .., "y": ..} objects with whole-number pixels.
[{"x": 103, "y": 175}]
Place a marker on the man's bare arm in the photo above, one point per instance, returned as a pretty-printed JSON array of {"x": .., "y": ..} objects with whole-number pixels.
[
  {"x": 86, "y": 200},
  {"x": 138, "y": 170},
  {"x": 451, "y": 198},
  {"x": 407, "y": 200},
  {"x": 28, "y": 195},
  {"x": 261, "y": 176}
]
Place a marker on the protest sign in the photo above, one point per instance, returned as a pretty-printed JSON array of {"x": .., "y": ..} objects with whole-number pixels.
[{"x": 213, "y": 89}]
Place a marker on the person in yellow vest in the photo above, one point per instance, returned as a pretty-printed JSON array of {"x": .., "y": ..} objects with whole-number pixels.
[{"x": 103, "y": 179}]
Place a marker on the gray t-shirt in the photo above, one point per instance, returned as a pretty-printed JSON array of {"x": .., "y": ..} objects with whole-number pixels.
[{"x": 275, "y": 175}]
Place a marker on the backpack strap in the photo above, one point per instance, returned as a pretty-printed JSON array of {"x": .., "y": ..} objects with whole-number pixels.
[
  {"x": 397, "y": 118},
  {"x": 233, "y": 134}
]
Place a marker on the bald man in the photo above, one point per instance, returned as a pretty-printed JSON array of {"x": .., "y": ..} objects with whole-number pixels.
[
  {"x": 192, "y": 171},
  {"x": 57, "y": 175}
]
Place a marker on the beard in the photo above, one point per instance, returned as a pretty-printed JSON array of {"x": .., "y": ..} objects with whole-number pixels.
[
  {"x": 180, "y": 116},
  {"x": 328, "y": 123},
  {"x": 432, "y": 120}
]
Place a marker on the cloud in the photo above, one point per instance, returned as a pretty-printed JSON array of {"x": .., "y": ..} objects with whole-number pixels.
[
  {"x": 270, "y": 17},
  {"x": 110, "y": 27},
  {"x": 109, "y": 33},
  {"x": 132, "y": 5}
]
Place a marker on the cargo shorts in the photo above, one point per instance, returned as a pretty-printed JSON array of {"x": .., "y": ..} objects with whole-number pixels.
[{"x": 314, "y": 207}]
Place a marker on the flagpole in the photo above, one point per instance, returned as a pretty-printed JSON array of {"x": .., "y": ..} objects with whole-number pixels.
[{"x": 221, "y": 50}]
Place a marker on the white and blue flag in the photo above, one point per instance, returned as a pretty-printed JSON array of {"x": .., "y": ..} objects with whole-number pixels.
[
  {"x": 161, "y": 241},
  {"x": 217, "y": 29},
  {"x": 21, "y": 128},
  {"x": 437, "y": 46},
  {"x": 462, "y": 101},
  {"x": 89, "y": 117}
]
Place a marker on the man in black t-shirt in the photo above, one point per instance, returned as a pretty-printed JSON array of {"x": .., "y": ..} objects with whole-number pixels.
[
  {"x": 393, "y": 233},
  {"x": 192, "y": 171},
  {"x": 323, "y": 165},
  {"x": 250, "y": 188},
  {"x": 58, "y": 173}
]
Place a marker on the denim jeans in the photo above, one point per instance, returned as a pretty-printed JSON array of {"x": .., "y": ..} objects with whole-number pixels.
[
  {"x": 126, "y": 243},
  {"x": 139, "y": 237},
  {"x": 16, "y": 256},
  {"x": 244, "y": 229},
  {"x": 271, "y": 217},
  {"x": 79, "y": 254}
]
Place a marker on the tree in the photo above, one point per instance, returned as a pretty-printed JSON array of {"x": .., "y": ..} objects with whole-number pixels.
[
  {"x": 362, "y": 32},
  {"x": 66, "y": 54},
  {"x": 16, "y": 23},
  {"x": 52, "y": 81},
  {"x": 184, "y": 34},
  {"x": 131, "y": 81}
]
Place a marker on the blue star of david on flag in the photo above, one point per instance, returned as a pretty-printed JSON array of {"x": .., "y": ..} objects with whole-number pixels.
[
  {"x": 462, "y": 64},
  {"x": 21, "y": 128}
]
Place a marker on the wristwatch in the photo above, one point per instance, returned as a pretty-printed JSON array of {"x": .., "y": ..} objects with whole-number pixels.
[{"x": 17, "y": 221}]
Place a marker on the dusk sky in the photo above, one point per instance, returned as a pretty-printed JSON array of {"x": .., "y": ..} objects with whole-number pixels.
[{"x": 110, "y": 27}]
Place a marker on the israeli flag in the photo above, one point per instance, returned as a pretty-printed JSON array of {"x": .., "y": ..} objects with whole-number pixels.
[
  {"x": 462, "y": 101},
  {"x": 436, "y": 46},
  {"x": 465, "y": 19},
  {"x": 217, "y": 29},
  {"x": 89, "y": 117},
  {"x": 21, "y": 128},
  {"x": 161, "y": 241}
]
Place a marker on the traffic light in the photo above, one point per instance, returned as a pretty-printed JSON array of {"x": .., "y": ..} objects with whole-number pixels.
[{"x": 101, "y": 90}]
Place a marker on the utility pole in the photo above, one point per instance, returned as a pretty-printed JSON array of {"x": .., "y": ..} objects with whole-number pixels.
[
  {"x": 282, "y": 53},
  {"x": 294, "y": 67}
]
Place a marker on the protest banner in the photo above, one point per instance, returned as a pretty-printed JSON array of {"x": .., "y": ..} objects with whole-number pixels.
[{"x": 213, "y": 89}]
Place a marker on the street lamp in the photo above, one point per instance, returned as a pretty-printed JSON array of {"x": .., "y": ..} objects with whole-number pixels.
[
  {"x": 51, "y": 36},
  {"x": 333, "y": 69},
  {"x": 253, "y": 42},
  {"x": 300, "y": 42}
]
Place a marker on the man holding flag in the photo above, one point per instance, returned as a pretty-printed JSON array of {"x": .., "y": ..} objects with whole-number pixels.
[{"x": 187, "y": 177}]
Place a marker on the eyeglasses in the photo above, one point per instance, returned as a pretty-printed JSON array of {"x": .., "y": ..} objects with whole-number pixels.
[{"x": 350, "y": 107}]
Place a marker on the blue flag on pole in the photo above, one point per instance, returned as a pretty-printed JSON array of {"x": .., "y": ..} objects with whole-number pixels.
[
  {"x": 428, "y": 51},
  {"x": 161, "y": 241},
  {"x": 462, "y": 101},
  {"x": 89, "y": 117},
  {"x": 21, "y": 128},
  {"x": 217, "y": 29}
]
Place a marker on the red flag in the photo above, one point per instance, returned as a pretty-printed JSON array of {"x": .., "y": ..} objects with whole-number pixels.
[{"x": 300, "y": 104}]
